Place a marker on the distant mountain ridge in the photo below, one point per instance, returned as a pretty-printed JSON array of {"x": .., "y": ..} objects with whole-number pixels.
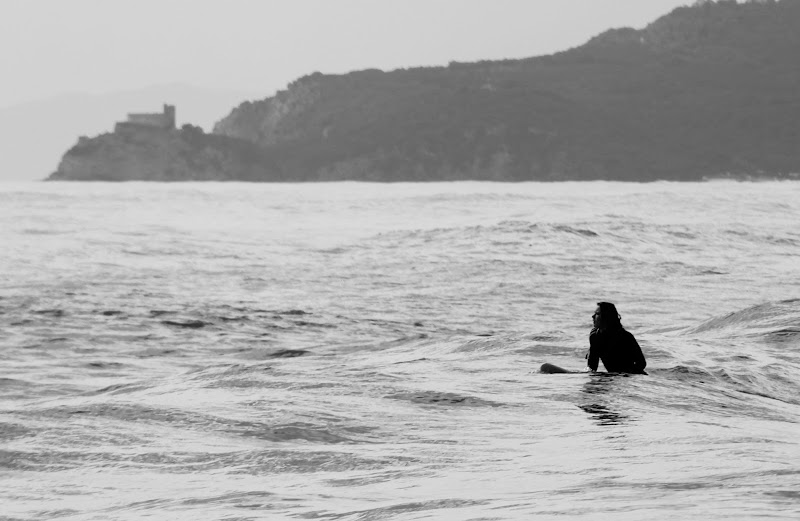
[{"x": 706, "y": 90}]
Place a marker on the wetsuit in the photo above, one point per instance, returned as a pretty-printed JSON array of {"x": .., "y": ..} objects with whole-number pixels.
[{"x": 618, "y": 350}]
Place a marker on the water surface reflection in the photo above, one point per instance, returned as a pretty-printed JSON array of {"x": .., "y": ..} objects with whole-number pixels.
[{"x": 598, "y": 388}]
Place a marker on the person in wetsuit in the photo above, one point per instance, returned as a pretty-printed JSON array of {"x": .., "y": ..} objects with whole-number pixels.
[{"x": 612, "y": 344}]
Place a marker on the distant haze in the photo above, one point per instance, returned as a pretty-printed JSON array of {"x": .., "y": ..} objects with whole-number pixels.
[
  {"x": 75, "y": 67},
  {"x": 49, "y": 47}
]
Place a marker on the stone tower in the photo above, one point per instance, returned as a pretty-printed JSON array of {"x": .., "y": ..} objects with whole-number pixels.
[{"x": 169, "y": 116}]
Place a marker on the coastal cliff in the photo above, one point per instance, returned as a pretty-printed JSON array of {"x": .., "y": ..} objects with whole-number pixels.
[
  {"x": 708, "y": 90},
  {"x": 144, "y": 153}
]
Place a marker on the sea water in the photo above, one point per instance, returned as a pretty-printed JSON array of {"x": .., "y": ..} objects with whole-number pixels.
[{"x": 353, "y": 351}]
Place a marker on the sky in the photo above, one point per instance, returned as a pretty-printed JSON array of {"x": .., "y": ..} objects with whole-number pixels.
[{"x": 52, "y": 47}]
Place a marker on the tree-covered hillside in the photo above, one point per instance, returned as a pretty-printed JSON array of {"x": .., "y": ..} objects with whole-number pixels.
[{"x": 705, "y": 90}]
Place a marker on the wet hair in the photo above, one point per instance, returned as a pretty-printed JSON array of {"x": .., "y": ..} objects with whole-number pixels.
[{"x": 610, "y": 317}]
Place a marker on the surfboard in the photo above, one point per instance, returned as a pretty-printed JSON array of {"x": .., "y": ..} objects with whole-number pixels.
[{"x": 554, "y": 369}]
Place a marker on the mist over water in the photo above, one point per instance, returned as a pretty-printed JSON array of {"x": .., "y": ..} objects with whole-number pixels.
[{"x": 359, "y": 352}]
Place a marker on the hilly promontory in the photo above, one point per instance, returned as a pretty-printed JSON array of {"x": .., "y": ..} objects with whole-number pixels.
[
  {"x": 152, "y": 153},
  {"x": 707, "y": 90}
]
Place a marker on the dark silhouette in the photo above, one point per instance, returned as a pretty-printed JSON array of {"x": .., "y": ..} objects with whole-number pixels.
[{"x": 612, "y": 344}]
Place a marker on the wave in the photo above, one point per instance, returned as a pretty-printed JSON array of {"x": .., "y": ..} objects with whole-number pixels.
[
  {"x": 635, "y": 237},
  {"x": 193, "y": 421},
  {"x": 39, "y": 231},
  {"x": 518, "y": 227},
  {"x": 769, "y": 320},
  {"x": 443, "y": 398}
]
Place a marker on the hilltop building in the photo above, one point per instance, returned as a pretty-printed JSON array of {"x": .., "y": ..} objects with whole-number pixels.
[{"x": 164, "y": 120}]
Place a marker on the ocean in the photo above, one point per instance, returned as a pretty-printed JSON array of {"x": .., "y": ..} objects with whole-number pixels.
[{"x": 360, "y": 352}]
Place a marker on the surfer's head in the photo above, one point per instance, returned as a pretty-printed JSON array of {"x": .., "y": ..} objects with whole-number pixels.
[{"x": 606, "y": 316}]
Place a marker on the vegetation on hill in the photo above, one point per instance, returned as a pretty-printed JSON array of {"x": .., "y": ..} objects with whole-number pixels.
[
  {"x": 706, "y": 90},
  {"x": 141, "y": 153}
]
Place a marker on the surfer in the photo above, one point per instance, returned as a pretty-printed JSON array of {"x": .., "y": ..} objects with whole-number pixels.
[{"x": 613, "y": 344}]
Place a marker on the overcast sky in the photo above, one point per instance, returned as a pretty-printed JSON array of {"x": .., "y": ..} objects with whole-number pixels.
[{"x": 49, "y": 47}]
